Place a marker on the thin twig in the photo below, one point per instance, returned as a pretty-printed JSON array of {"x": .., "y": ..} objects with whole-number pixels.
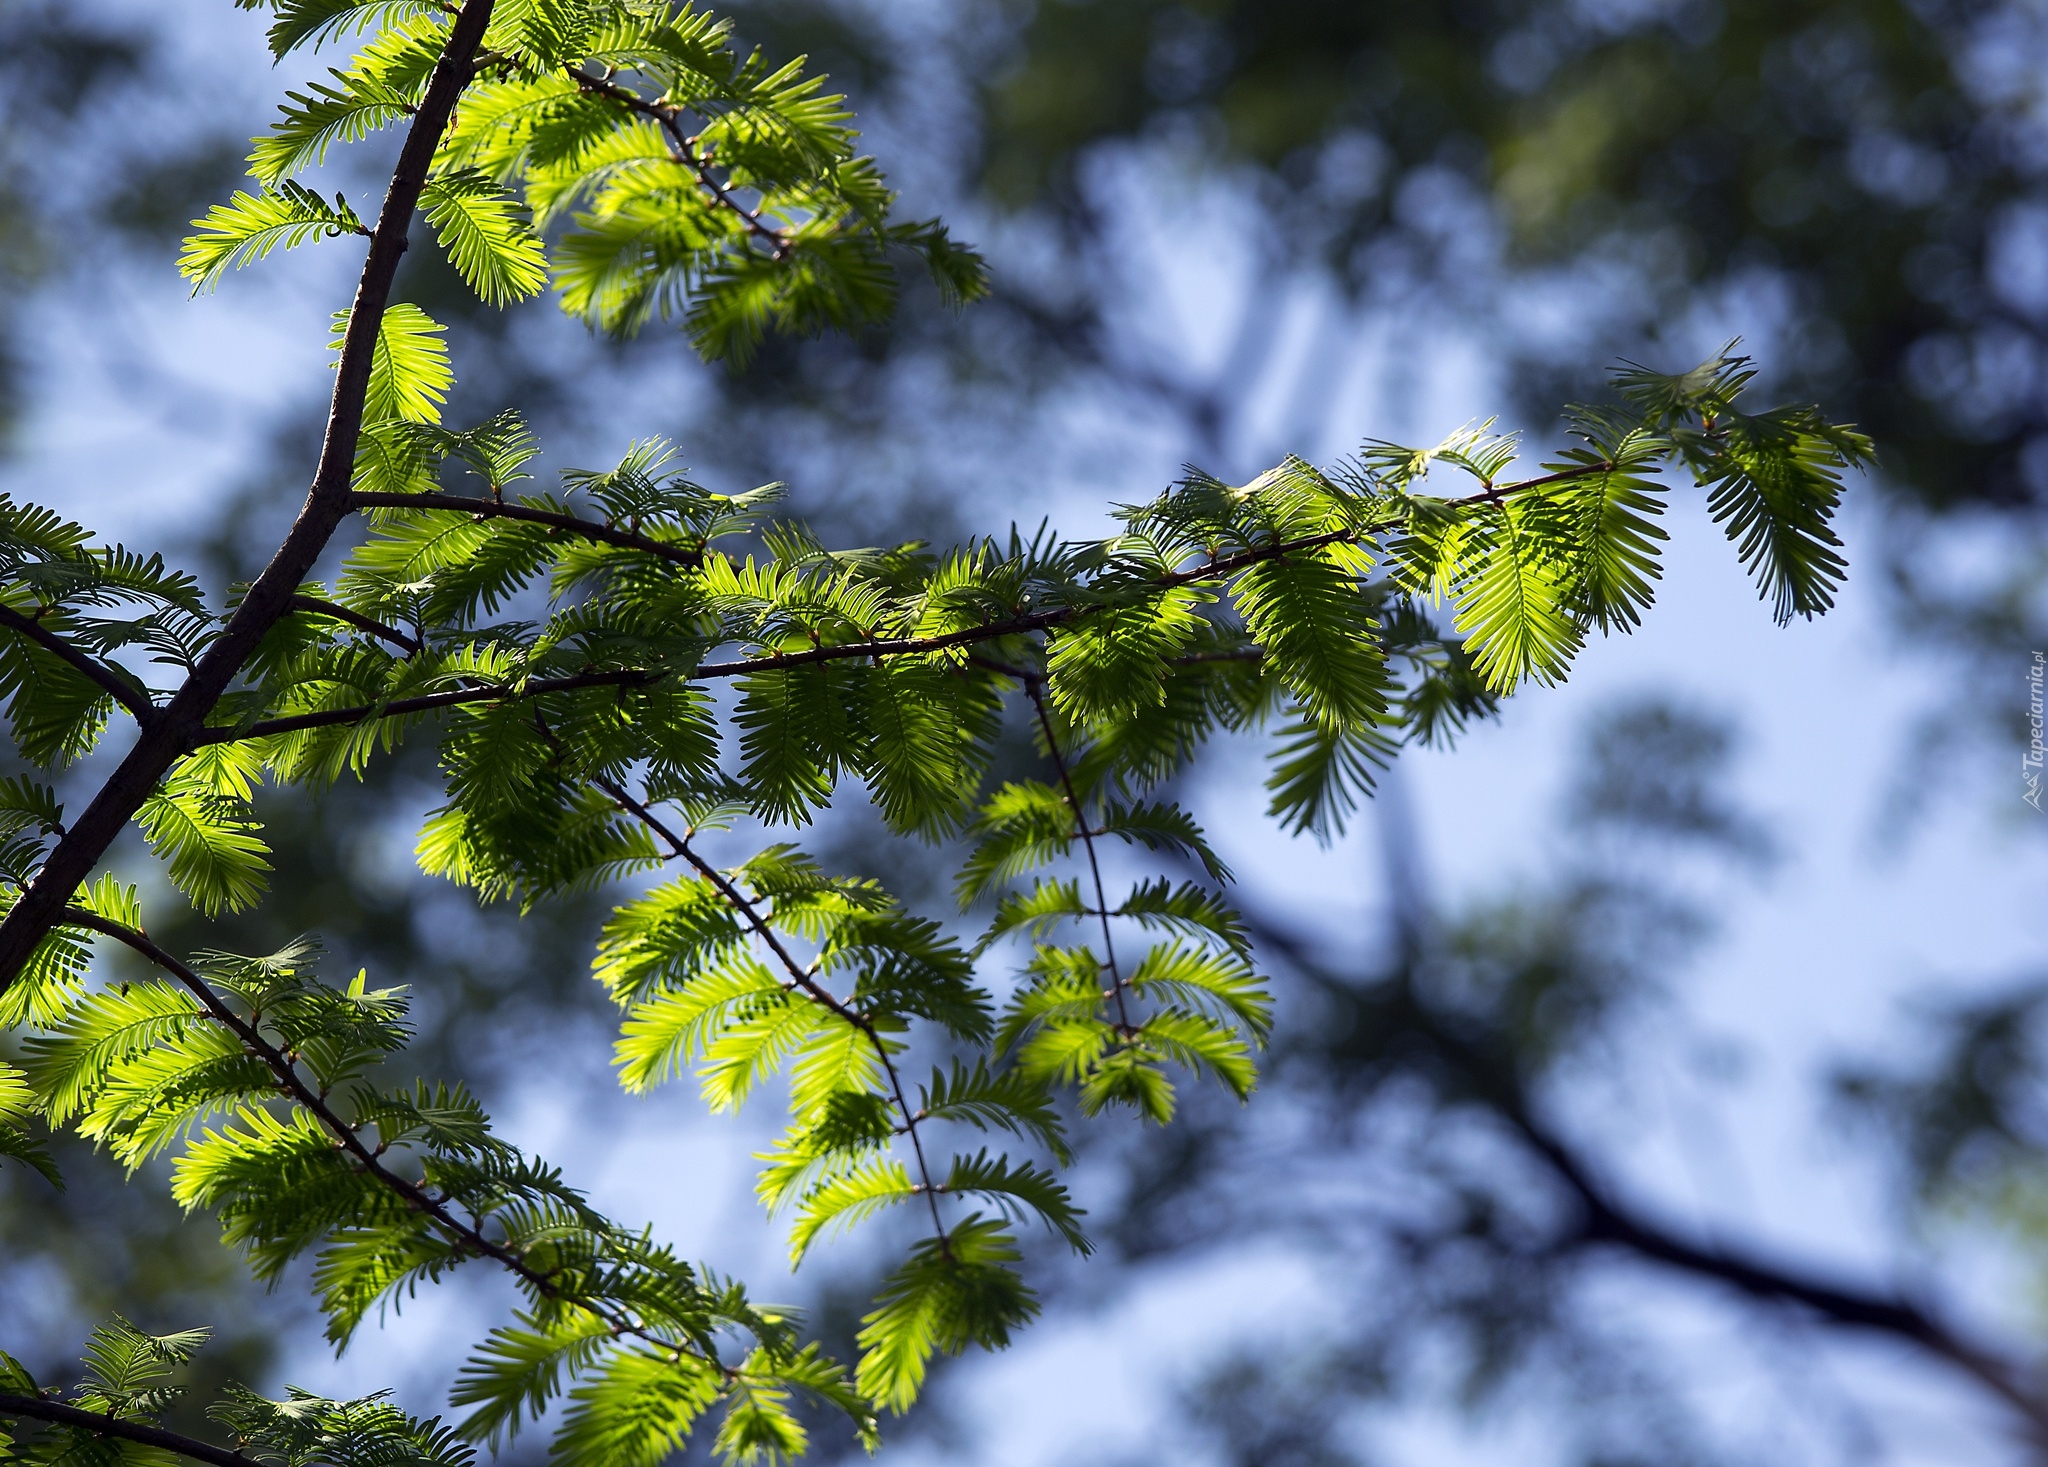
[
  {"x": 1034, "y": 689},
  {"x": 321, "y": 607},
  {"x": 684, "y": 155},
  {"x": 568, "y": 524},
  {"x": 800, "y": 977},
  {"x": 1018, "y": 625},
  {"x": 117, "y": 686}
]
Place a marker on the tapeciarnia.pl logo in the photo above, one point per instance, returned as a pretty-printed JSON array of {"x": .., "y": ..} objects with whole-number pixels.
[{"x": 2030, "y": 766}]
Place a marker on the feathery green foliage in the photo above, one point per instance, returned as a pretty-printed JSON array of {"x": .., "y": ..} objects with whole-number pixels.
[
  {"x": 127, "y": 1384},
  {"x": 624, "y": 150},
  {"x": 562, "y": 647},
  {"x": 17, "y": 1142},
  {"x": 249, "y": 226}
]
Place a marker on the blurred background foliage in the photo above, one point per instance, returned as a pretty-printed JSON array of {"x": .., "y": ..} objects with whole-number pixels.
[{"x": 1863, "y": 183}]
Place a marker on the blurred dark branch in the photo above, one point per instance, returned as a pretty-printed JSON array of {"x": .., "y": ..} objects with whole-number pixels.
[
  {"x": 1467, "y": 1066},
  {"x": 1608, "y": 1221},
  {"x": 1082, "y": 336}
]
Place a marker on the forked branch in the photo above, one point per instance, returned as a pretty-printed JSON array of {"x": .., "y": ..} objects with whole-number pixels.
[
  {"x": 322, "y": 607},
  {"x": 1605, "y": 1221},
  {"x": 684, "y": 152},
  {"x": 181, "y": 724},
  {"x": 800, "y": 979}
]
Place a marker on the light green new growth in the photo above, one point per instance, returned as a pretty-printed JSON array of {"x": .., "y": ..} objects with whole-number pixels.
[
  {"x": 111, "y": 1416},
  {"x": 561, "y": 647}
]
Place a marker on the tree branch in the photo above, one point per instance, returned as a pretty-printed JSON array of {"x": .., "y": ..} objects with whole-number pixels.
[
  {"x": 57, "y": 1413},
  {"x": 628, "y": 677},
  {"x": 122, "y": 691},
  {"x": 800, "y": 978},
  {"x": 302, "y": 1095},
  {"x": 180, "y": 725},
  {"x": 425, "y": 703},
  {"x": 684, "y": 154},
  {"x": 1034, "y": 689},
  {"x": 1490, "y": 1078},
  {"x": 1019, "y": 625},
  {"x": 568, "y": 524},
  {"x": 370, "y": 624},
  {"x": 1608, "y": 1221},
  {"x": 465, "y": 1235}
]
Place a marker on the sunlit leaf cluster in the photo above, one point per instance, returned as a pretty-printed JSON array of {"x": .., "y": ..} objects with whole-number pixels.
[
  {"x": 256, "y": 1078},
  {"x": 623, "y": 151}
]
